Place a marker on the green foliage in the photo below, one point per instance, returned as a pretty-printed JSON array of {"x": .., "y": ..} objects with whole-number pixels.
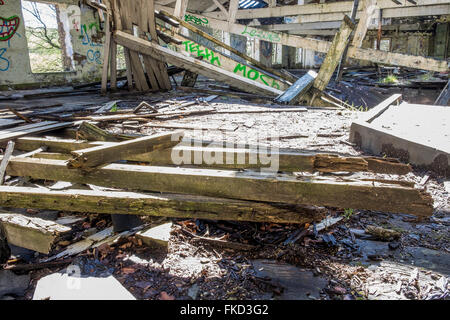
[
  {"x": 390, "y": 79},
  {"x": 347, "y": 214},
  {"x": 43, "y": 57}
]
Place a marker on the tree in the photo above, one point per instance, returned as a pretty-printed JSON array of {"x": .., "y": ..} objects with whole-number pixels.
[{"x": 48, "y": 38}]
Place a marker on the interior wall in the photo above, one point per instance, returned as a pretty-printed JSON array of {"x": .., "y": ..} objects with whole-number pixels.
[{"x": 84, "y": 44}]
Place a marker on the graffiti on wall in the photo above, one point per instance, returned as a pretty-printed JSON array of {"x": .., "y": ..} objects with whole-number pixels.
[
  {"x": 195, "y": 20},
  {"x": 201, "y": 51},
  {"x": 239, "y": 69},
  {"x": 8, "y": 27},
  {"x": 4, "y": 62},
  {"x": 92, "y": 54},
  {"x": 2, "y": 2}
]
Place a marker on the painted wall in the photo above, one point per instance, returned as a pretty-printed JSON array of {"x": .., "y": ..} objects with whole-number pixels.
[{"x": 84, "y": 44}]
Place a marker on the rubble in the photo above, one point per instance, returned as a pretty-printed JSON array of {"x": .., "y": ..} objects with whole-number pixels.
[{"x": 277, "y": 184}]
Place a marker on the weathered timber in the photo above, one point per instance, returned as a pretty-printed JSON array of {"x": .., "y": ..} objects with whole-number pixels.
[
  {"x": 168, "y": 205},
  {"x": 191, "y": 64},
  {"x": 317, "y": 10},
  {"x": 334, "y": 55},
  {"x": 270, "y": 187},
  {"x": 375, "y": 56},
  {"x": 5, "y": 160},
  {"x": 90, "y": 131},
  {"x": 300, "y": 87},
  {"x": 20, "y": 115},
  {"x": 100, "y": 155},
  {"x": 205, "y": 35},
  {"x": 25, "y": 130},
  {"x": 227, "y": 62},
  {"x": 227, "y": 156},
  {"x": 30, "y": 232}
]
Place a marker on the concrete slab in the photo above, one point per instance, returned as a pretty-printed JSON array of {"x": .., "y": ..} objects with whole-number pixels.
[
  {"x": 157, "y": 236},
  {"x": 62, "y": 286},
  {"x": 417, "y": 134}
]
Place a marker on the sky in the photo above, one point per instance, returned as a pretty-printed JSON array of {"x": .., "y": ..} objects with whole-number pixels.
[{"x": 46, "y": 14}]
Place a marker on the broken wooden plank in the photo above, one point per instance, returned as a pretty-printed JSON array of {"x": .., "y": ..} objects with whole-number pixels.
[
  {"x": 191, "y": 64},
  {"x": 300, "y": 87},
  {"x": 100, "y": 155},
  {"x": 21, "y": 116},
  {"x": 90, "y": 131},
  {"x": 156, "y": 204},
  {"x": 333, "y": 56},
  {"x": 30, "y": 232},
  {"x": 229, "y": 156},
  {"x": 205, "y": 35},
  {"x": 321, "y": 191},
  {"x": 20, "y": 132},
  {"x": 5, "y": 160}
]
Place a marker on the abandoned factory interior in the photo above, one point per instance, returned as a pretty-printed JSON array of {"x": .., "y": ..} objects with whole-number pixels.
[{"x": 242, "y": 150}]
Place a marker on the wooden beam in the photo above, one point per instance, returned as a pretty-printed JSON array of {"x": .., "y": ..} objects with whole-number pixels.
[
  {"x": 106, "y": 55},
  {"x": 100, "y": 155},
  {"x": 201, "y": 67},
  {"x": 369, "y": 7},
  {"x": 156, "y": 204},
  {"x": 232, "y": 10},
  {"x": 320, "y": 9},
  {"x": 34, "y": 128},
  {"x": 231, "y": 156},
  {"x": 231, "y": 49},
  {"x": 376, "y": 56},
  {"x": 322, "y": 191},
  {"x": 163, "y": 80},
  {"x": 5, "y": 160},
  {"x": 30, "y": 232},
  {"x": 300, "y": 87},
  {"x": 334, "y": 55},
  {"x": 194, "y": 49},
  {"x": 180, "y": 8}
]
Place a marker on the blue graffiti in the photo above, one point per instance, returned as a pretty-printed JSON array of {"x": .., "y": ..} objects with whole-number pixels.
[
  {"x": 4, "y": 62},
  {"x": 86, "y": 39},
  {"x": 94, "y": 56}
]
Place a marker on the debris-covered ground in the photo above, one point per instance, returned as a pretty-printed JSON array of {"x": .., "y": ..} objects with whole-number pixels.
[{"x": 349, "y": 259}]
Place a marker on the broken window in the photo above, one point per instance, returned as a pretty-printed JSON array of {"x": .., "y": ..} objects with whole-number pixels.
[
  {"x": 46, "y": 38},
  {"x": 385, "y": 44},
  {"x": 277, "y": 53}
]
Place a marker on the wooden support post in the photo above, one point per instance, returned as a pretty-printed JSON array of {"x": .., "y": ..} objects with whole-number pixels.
[
  {"x": 156, "y": 204},
  {"x": 343, "y": 59},
  {"x": 118, "y": 26},
  {"x": 106, "y": 54},
  {"x": 6, "y": 156},
  {"x": 163, "y": 79},
  {"x": 31, "y": 233},
  {"x": 100, "y": 155},
  {"x": 333, "y": 56},
  {"x": 113, "y": 70},
  {"x": 322, "y": 191}
]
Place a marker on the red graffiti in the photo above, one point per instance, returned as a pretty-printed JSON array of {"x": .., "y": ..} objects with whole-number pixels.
[
  {"x": 8, "y": 27},
  {"x": 2, "y": 2}
]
